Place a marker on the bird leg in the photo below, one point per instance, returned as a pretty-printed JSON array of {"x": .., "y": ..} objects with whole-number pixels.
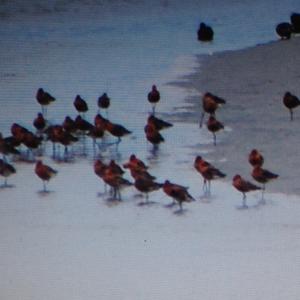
[
  {"x": 244, "y": 201},
  {"x": 201, "y": 119},
  {"x": 215, "y": 139}
]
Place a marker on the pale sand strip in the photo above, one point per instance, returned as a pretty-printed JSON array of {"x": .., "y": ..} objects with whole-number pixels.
[{"x": 253, "y": 81}]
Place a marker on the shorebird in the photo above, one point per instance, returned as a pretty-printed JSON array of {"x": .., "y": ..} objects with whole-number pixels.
[
  {"x": 80, "y": 105},
  {"x": 44, "y": 99},
  {"x": 104, "y": 102},
  {"x": 153, "y": 97},
  {"x": 153, "y": 135},
  {"x": 205, "y": 33},
  {"x": 213, "y": 125},
  {"x": 177, "y": 192},
  {"x": 263, "y": 176},
  {"x": 284, "y": 30},
  {"x": 146, "y": 186},
  {"x": 159, "y": 124},
  {"x": 6, "y": 170},
  {"x": 244, "y": 187},
  {"x": 7, "y": 146},
  {"x": 290, "y": 101},
  {"x": 295, "y": 20},
  {"x": 39, "y": 123},
  {"x": 255, "y": 158},
  {"x": 210, "y": 103},
  {"x": 44, "y": 172},
  {"x": 208, "y": 172},
  {"x": 117, "y": 130},
  {"x": 135, "y": 163},
  {"x": 99, "y": 169},
  {"x": 82, "y": 125}
]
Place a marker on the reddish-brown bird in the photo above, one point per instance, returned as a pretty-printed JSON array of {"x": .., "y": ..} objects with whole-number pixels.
[
  {"x": 7, "y": 146},
  {"x": 6, "y": 170},
  {"x": 177, "y": 192},
  {"x": 210, "y": 103},
  {"x": 104, "y": 102},
  {"x": 135, "y": 163},
  {"x": 153, "y": 135},
  {"x": 159, "y": 124},
  {"x": 80, "y": 104},
  {"x": 208, "y": 172},
  {"x": 244, "y": 187},
  {"x": 117, "y": 130},
  {"x": 153, "y": 97},
  {"x": 146, "y": 186},
  {"x": 39, "y": 123},
  {"x": 291, "y": 102},
  {"x": 263, "y": 176},
  {"x": 255, "y": 158},
  {"x": 44, "y": 172},
  {"x": 44, "y": 99},
  {"x": 213, "y": 125}
]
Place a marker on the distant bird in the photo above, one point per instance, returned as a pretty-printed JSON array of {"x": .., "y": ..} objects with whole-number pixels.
[
  {"x": 263, "y": 176},
  {"x": 39, "y": 123},
  {"x": 32, "y": 142},
  {"x": 177, "y": 192},
  {"x": 7, "y": 147},
  {"x": 295, "y": 20},
  {"x": 6, "y": 170},
  {"x": 159, "y": 124},
  {"x": 291, "y": 102},
  {"x": 82, "y": 125},
  {"x": 205, "y": 33},
  {"x": 284, "y": 30},
  {"x": 153, "y": 135},
  {"x": 117, "y": 130},
  {"x": 154, "y": 97},
  {"x": 44, "y": 172},
  {"x": 69, "y": 125},
  {"x": 44, "y": 99},
  {"x": 213, "y": 125},
  {"x": 100, "y": 122},
  {"x": 208, "y": 172},
  {"x": 104, "y": 102},
  {"x": 146, "y": 186},
  {"x": 255, "y": 158},
  {"x": 80, "y": 104},
  {"x": 135, "y": 163},
  {"x": 210, "y": 103},
  {"x": 64, "y": 138},
  {"x": 244, "y": 187}
]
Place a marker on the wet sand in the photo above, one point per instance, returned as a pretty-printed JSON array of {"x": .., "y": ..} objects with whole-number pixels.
[{"x": 253, "y": 81}]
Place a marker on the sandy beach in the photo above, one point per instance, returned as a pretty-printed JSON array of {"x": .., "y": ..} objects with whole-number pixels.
[{"x": 253, "y": 81}]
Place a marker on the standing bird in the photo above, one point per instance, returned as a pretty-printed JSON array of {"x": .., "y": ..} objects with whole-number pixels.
[
  {"x": 244, "y": 187},
  {"x": 6, "y": 170},
  {"x": 135, "y": 163},
  {"x": 153, "y": 136},
  {"x": 263, "y": 176},
  {"x": 213, "y": 125},
  {"x": 210, "y": 103},
  {"x": 44, "y": 172},
  {"x": 39, "y": 123},
  {"x": 159, "y": 124},
  {"x": 177, "y": 192},
  {"x": 146, "y": 186},
  {"x": 208, "y": 172},
  {"x": 284, "y": 30},
  {"x": 104, "y": 102},
  {"x": 80, "y": 105},
  {"x": 255, "y": 158},
  {"x": 153, "y": 97},
  {"x": 290, "y": 101},
  {"x": 44, "y": 99},
  {"x": 7, "y": 146},
  {"x": 295, "y": 20},
  {"x": 205, "y": 33},
  {"x": 117, "y": 130}
]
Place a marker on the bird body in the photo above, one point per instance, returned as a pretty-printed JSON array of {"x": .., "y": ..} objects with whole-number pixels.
[
  {"x": 44, "y": 172},
  {"x": 295, "y": 20},
  {"x": 255, "y": 158},
  {"x": 153, "y": 97},
  {"x": 213, "y": 125},
  {"x": 159, "y": 124},
  {"x": 6, "y": 170},
  {"x": 103, "y": 101},
  {"x": 205, "y": 33},
  {"x": 291, "y": 102},
  {"x": 262, "y": 175},
  {"x": 284, "y": 30},
  {"x": 80, "y": 104}
]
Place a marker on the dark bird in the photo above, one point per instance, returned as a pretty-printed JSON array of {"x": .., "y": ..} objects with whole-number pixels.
[
  {"x": 263, "y": 176},
  {"x": 295, "y": 20},
  {"x": 115, "y": 168},
  {"x": 244, "y": 187},
  {"x": 104, "y": 102},
  {"x": 153, "y": 135},
  {"x": 291, "y": 102},
  {"x": 208, "y": 172},
  {"x": 159, "y": 124},
  {"x": 284, "y": 30},
  {"x": 100, "y": 122},
  {"x": 146, "y": 186},
  {"x": 80, "y": 104},
  {"x": 205, "y": 33},
  {"x": 255, "y": 158},
  {"x": 69, "y": 125},
  {"x": 44, "y": 99},
  {"x": 138, "y": 169},
  {"x": 153, "y": 97},
  {"x": 210, "y": 103},
  {"x": 6, "y": 170},
  {"x": 213, "y": 125},
  {"x": 82, "y": 125},
  {"x": 177, "y": 192},
  {"x": 44, "y": 172},
  {"x": 39, "y": 123},
  {"x": 135, "y": 163},
  {"x": 99, "y": 169},
  {"x": 7, "y": 146},
  {"x": 117, "y": 130}
]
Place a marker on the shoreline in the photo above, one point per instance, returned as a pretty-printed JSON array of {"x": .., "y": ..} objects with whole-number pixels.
[{"x": 253, "y": 81}]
